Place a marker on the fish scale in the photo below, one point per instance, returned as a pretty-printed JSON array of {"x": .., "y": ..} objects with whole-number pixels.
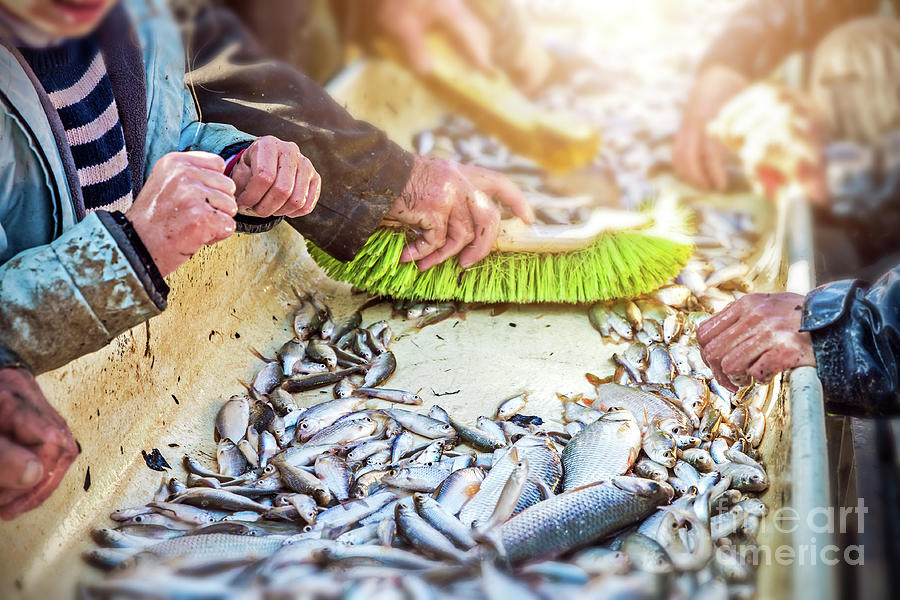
[
  {"x": 605, "y": 448},
  {"x": 543, "y": 463},
  {"x": 221, "y": 546},
  {"x": 575, "y": 518},
  {"x": 646, "y": 407}
]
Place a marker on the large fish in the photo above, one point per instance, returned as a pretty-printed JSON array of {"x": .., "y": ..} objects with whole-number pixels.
[
  {"x": 580, "y": 516},
  {"x": 645, "y": 406},
  {"x": 544, "y": 464},
  {"x": 605, "y": 448}
]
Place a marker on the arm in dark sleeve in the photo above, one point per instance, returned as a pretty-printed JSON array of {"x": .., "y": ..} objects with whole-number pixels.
[
  {"x": 362, "y": 171},
  {"x": 762, "y": 33},
  {"x": 856, "y": 337}
]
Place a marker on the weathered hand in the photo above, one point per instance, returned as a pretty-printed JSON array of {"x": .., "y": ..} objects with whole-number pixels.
[
  {"x": 408, "y": 21},
  {"x": 451, "y": 207},
  {"x": 186, "y": 204},
  {"x": 757, "y": 336},
  {"x": 274, "y": 178},
  {"x": 698, "y": 158},
  {"x": 36, "y": 446}
]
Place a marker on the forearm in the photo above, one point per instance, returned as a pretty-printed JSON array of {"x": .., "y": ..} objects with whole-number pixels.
[
  {"x": 362, "y": 171},
  {"x": 73, "y": 296},
  {"x": 856, "y": 338},
  {"x": 765, "y": 32}
]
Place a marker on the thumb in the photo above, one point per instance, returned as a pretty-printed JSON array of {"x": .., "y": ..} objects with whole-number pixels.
[
  {"x": 19, "y": 467},
  {"x": 503, "y": 190},
  {"x": 411, "y": 37}
]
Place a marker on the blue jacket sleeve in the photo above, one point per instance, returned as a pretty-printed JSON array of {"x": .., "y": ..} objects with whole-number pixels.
[
  {"x": 73, "y": 296},
  {"x": 856, "y": 337}
]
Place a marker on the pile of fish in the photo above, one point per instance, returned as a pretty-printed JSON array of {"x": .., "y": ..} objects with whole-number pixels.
[{"x": 357, "y": 496}]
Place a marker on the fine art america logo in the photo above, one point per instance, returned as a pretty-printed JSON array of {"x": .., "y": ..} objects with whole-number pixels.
[{"x": 825, "y": 522}]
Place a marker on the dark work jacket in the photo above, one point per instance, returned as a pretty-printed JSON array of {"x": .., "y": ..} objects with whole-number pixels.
[
  {"x": 762, "y": 33},
  {"x": 855, "y": 330},
  {"x": 362, "y": 171}
]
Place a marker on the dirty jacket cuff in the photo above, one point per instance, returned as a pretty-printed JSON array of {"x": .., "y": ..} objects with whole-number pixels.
[
  {"x": 137, "y": 254},
  {"x": 854, "y": 336},
  {"x": 11, "y": 360},
  {"x": 254, "y": 224},
  {"x": 83, "y": 280}
]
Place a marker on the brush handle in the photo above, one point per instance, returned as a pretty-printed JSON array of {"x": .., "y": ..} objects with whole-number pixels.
[{"x": 517, "y": 236}]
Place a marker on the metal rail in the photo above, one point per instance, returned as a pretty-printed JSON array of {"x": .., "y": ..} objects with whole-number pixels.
[{"x": 809, "y": 455}]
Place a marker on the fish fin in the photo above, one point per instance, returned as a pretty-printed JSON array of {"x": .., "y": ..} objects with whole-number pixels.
[
  {"x": 593, "y": 379},
  {"x": 258, "y": 354},
  {"x": 543, "y": 487},
  {"x": 302, "y": 297},
  {"x": 585, "y": 486},
  {"x": 491, "y": 539}
]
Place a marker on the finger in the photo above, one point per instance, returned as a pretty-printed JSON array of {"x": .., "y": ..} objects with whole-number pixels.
[
  {"x": 262, "y": 160},
  {"x": 409, "y": 34},
  {"x": 57, "y": 452},
  {"x": 768, "y": 365},
  {"x": 220, "y": 226},
  {"x": 725, "y": 342},
  {"x": 241, "y": 175},
  {"x": 486, "y": 223},
  {"x": 213, "y": 180},
  {"x": 430, "y": 240},
  {"x": 222, "y": 202},
  {"x": 307, "y": 188},
  {"x": 282, "y": 189},
  {"x": 30, "y": 422},
  {"x": 468, "y": 31},
  {"x": 503, "y": 190},
  {"x": 715, "y": 325},
  {"x": 737, "y": 361},
  {"x": 723, "y": 379},
  {"x": 715, "y": 163},
  {"x": 201, "y": 160},
  {"x": 20, "y": 468},
  {"x": 36, "y": 497},
  {"x": 460, "y": 233},
  {"x": 694, "y": 172}
]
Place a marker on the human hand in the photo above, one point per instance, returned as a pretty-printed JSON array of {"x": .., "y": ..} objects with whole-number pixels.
[
  {"x": 36, "y": 446},
  {"x": 186, "y": 203},
  {"x": 699, "y": 158},
  {"x": 274, "y": 178},
  {"x": 451, "y": 207},
  {"x": 407, "y": 22},
  {"x": 757, "y": 336}
]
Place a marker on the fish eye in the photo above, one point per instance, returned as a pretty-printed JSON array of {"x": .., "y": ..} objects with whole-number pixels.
[
  {"x": 304, "y": 425},
  {"x": 392, "y": 472}
]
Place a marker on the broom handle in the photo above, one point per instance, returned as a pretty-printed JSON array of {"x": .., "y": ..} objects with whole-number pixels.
[{"x": 517, "y": 236}]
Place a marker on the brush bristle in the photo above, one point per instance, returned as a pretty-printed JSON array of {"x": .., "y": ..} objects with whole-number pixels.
[{"x": 618, "y": 265}]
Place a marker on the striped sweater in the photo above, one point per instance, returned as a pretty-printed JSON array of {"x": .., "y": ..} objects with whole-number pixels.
[{"x": 74, "y": 76}]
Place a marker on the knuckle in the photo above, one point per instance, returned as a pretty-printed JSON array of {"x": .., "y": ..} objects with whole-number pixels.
[
  {"x": 265, "y": 174},
  {"x": 282, "y": 188}
]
